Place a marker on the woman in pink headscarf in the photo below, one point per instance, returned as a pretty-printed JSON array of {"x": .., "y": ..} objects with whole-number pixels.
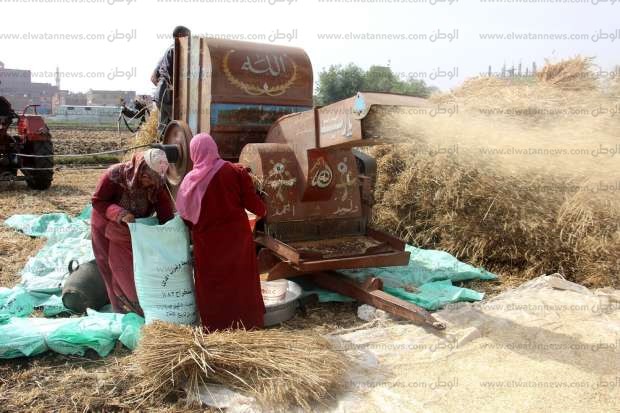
[{"x": 212, "y": 199}]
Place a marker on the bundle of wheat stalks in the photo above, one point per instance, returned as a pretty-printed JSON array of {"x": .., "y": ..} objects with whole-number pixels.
[
  {"x": 279, "y": 368},
  {"x": 147, "y": 134}
]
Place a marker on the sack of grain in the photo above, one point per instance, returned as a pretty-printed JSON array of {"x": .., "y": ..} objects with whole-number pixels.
[{"x": 163, "y": 271}]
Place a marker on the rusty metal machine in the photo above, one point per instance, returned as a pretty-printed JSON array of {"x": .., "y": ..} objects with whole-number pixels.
[
  {"x": 256, "y": 101},
  {"x": 29, "y": 151}
]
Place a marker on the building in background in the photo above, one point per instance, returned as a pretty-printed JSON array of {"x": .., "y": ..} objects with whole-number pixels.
[
  {"x": 109, "y": 97},
  {"x": 66, "y": 97},
  {"x": 16, "y": 85}
]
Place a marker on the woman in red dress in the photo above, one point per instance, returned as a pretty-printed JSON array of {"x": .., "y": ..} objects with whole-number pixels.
[
  {"x": 126, "y": 191},
  {"x": 213, "y": 199}
]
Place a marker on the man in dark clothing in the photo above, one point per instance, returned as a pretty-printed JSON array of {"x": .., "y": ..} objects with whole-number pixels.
[
  {"x": 6, "y": 115},
  {"x": 162, "y": 77}
]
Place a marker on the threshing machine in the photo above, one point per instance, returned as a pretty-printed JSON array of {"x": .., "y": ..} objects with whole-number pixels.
[{"x": 256, "y": 101}]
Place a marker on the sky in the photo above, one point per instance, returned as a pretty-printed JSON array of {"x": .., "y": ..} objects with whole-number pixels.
[{"x": 115, "y": 44}]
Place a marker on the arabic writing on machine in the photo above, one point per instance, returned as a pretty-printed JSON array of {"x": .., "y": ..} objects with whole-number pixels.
[
  {"x": 267, "y": 67},
  {"x": 266, "y": 63}
]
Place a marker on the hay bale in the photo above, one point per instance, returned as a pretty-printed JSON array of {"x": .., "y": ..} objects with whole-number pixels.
[{"x": 279, "y": 368}]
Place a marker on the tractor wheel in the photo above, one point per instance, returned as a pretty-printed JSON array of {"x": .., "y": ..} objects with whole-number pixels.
[{"x": 41, "y": 179}]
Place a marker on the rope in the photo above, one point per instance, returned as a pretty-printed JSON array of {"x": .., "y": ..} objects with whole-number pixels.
[{"x": 83, "y": 155}]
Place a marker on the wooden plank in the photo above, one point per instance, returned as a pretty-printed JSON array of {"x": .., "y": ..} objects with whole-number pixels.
[
  {"x": 204, "y": 115},
  {"x": 193, "y": 81},
  {"x": 369, "y": 294},
  {"x": 279, "y": 248},
  {"x": 280, "y": 271},
  {"x": 379, "y": 260},
  {"x": 394, "y": 242},
  {"x": 271, "y": 267},
  {"x": 181, "y": 62}
]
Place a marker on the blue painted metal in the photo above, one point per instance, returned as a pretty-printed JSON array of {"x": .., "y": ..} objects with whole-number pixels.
[{"x": 231, "y": 114}]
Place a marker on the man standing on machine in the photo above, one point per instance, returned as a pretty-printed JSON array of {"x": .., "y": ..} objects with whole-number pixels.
[{"x": 162, "y": 77}]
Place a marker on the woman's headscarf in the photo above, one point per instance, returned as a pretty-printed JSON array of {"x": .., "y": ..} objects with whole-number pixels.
[
  {"x": 136, "y": 198},
  {"x": 206, "y": 158}
]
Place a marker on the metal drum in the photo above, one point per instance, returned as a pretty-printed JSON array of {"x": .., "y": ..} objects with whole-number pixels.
[{"x": 84, "y": 288}]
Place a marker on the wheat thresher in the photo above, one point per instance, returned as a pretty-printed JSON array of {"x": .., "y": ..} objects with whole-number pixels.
[{"x": 256, "y": 101}]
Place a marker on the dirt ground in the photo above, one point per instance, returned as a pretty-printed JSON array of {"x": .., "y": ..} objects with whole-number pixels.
[
  {"x": 59, "y": 383},
  {"x": 76, "y": 141},
  {"x": 37, "y": 383}
]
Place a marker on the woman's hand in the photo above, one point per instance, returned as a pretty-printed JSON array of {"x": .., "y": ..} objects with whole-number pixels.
[{"x": 128, "y": 218}]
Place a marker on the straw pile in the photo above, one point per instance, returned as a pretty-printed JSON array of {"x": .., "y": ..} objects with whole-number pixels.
[
  {"x": 146, "y": 134},
  {"x": 278, "y": 368},
  {"x": 520, "y": 192},
  {"x": 575, "y": 73},
  {"x": 522, "y": 226},
  {"x": 148, "y": 131}
]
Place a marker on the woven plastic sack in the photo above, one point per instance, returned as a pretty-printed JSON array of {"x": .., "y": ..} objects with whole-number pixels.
[{"x": 163, "y": 271}]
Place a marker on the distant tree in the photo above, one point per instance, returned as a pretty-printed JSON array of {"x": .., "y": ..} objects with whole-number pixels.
[
  {"x": 380, "y": 79},
  {"x": 337, "y": 83}
]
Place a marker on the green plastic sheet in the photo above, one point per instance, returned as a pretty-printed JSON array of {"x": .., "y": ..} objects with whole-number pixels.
[
  {"x": 68, "y": 238},
  {"x": 25, "y": 337},
  {"x": 426, "y": 281}
]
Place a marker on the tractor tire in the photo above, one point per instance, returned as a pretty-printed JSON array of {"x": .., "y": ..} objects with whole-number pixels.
[{"x": 39, "y": 180}]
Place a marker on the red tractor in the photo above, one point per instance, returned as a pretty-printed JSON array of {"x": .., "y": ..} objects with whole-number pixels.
[{"x": 30, "y": 151}]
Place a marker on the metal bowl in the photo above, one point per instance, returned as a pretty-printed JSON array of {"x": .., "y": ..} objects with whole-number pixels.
[{"x": 284, "y": 311}]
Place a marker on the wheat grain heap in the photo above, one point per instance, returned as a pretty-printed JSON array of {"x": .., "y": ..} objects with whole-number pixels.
[{"x": 522, "y": 177}]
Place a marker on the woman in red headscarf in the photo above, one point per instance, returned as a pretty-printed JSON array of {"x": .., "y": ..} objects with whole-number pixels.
[
  {"x": 212, "y": 199},
  {"x": 126, "y": 191}
]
